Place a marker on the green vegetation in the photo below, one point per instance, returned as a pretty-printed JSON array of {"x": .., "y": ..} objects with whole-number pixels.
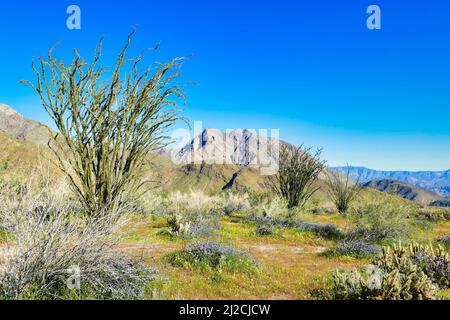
[
  {"x": 45, "y": 238},
  {"x": 106, "y": 129},
  {"x": 297, "y": 174},
  {"x": 399, "y": 273},
  {"x": 352, "y": 248},
  {"x": 296, "y": 254},
  {"x": 292, "y": 259},
  {"x": 342, "y": 191},
  {"x": 375, "y": 222},
  {"x": 406, "y": 191},
  {"x": 190, "y": 239},
  {"x": 213, "y": 256}
]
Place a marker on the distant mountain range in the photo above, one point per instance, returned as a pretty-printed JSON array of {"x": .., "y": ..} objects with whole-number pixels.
[
  {"x": 435, "y": 181},
  {"x": 239, "y": 159},
  {"x": 407, "y": 191}
]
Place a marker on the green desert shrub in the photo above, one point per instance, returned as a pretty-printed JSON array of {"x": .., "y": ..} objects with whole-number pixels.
[
  {"x": 298, "y": 171},
  {"x": 342, "y": 190},
  {"x": 197, "y": 214},
  {"x": 211, "y": 256},
  {"x": 377, "y": 222},
  {"x": 234, "y": 203}
]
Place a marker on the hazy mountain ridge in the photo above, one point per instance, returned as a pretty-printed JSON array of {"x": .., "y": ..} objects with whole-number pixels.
[
  {"x": 435, "y": 181},
  {"x": 215, "y": 161},
  {"x": 406, "y": 191}
]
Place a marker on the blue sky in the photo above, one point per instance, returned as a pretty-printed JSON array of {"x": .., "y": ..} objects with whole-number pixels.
[{"x": 377, "y": 98}]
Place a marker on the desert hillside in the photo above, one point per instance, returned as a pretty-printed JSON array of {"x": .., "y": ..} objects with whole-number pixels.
[
  {"x": 169, "y": 170},
  {"x": 196, "y": 212},
  {"x": 17, "y": 126},
  {"x": 406, "y": 191}
]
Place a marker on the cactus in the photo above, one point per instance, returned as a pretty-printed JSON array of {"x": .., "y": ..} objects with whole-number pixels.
[
  {"x": 403, "y": 280},
  {"x": 400, "y": 272},
  {"x": 434, "y": 262},
  {"x": 178, "y": 225}
]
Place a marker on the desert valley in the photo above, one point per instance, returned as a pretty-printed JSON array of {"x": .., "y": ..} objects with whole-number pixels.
[{"x": 223, "y": 231}]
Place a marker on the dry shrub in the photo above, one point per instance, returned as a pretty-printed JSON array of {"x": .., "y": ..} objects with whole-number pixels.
[
  {"x": 275, "y": 209},
  {"x": 45, "y": 238},
  {"x": 234, "y": 203},
  {"x": 193, "y": 202},
  {"x": 342, "y": 190}
]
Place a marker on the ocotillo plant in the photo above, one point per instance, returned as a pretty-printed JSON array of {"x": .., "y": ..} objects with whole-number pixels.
[
  {"x": 299, "y": 168},
  {"x": 107, "y": 123},
  {"x": 342, "y": 190}
]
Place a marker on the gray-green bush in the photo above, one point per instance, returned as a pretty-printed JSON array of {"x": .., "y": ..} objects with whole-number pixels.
[
  {"x": 378, "y": 221},
  {"x": 44, "y": 239},
  {"x": 353, "y": 248},
  {"x": 211, "y": 256}
]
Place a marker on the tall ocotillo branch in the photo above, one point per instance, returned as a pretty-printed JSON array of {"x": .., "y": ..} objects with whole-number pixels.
[{"x": 107, "y": 126}]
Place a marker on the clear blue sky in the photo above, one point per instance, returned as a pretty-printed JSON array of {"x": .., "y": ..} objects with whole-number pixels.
[{"x": 311, "y": 68}]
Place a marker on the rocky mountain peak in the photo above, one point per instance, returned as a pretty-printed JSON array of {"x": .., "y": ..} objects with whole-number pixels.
[{"x": 238, "y": 147}]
